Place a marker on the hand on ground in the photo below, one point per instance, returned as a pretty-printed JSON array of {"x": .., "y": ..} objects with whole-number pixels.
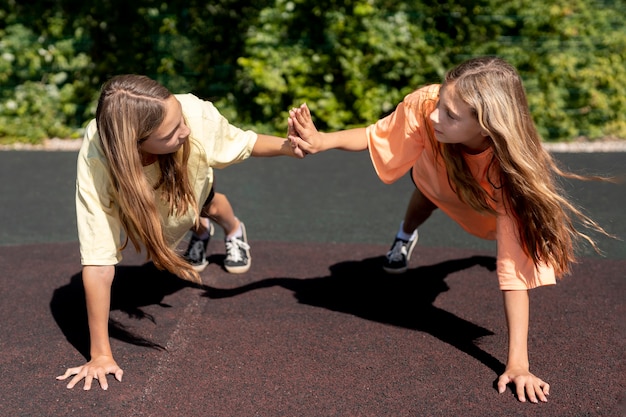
[
  {"x": 97, "y": 368},
  {"x": 526, "y": 385}
]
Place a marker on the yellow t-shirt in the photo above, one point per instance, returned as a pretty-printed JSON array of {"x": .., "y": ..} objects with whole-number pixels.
[
  {"x": 399, "y": 142},
  {"x": 215, "y": 143}
]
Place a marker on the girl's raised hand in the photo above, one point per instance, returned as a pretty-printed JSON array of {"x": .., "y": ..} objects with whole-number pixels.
[
  {"x": 292, "y": 137},
  {"x": 302, "y": 130},
  {"x": 97, "y": 368}
]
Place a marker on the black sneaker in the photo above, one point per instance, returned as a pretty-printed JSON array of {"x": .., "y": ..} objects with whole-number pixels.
[
  {"x": 196, "y": 251},
  {"x": 397, "y": 259},
  {"x": 237, "y": 259}
]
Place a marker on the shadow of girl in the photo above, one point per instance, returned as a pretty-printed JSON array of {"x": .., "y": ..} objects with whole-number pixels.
[
  {"x": 134, "y": 287},
  {"x": 362, "y": 289}
]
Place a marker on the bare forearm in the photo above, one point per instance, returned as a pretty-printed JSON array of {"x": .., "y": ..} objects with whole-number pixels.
[
  {"x": 353, "y": 140},
  {"x": 97, "y": 282},
  {"x": 516, "y": 308},
  {"x": 267, "y": 145},
  {"x": 527, "y": 385}
]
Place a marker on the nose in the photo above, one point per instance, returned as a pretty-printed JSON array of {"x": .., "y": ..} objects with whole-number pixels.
[
  {"x": 434, "y": 116},
  {"x": 185, "y": 131}
]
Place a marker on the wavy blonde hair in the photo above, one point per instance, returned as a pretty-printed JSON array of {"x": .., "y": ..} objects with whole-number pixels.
[
  {"x": 521, "y": 167},
  {"x": 129, "y": 109}
]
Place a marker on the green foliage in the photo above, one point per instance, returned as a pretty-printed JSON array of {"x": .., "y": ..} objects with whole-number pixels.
[
  {"x": 352, "y": 61},
  {"x": 571, "y": 55},
  {"x": 349, "y": 62},
  {"x": 42, "y": 99}
]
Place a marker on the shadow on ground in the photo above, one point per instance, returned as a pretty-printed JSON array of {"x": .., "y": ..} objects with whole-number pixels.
[
  {"x": 362, "y": 289},
  {"x": 134, "y": 287}
]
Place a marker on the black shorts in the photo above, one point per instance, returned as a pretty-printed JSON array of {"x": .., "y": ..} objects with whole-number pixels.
[{"x": 208, "y": 200}]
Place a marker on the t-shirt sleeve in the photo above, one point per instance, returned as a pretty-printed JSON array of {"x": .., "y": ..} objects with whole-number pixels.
[
  {"x": 224, "y": 143},
  {"x": 396, "y": 141},
  {"x": 99, "y": 227},
  {"x": 516, "y": 270}
]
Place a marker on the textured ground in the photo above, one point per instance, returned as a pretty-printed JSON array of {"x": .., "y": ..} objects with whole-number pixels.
[{"x": 314, "y": 328}]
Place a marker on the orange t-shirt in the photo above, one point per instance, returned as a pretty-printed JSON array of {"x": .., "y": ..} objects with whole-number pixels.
[{"x": 400, "y": 142}]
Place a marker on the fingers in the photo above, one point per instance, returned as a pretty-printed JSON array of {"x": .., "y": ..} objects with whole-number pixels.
[
  {"x": 298, "y": 117},
  {"x": 520, "y": 390},
  {"x": 303, "y": 116},
  {"x": 88, "y": 381},
  {"x": 540, "y": 392},
  {"x": 298, "y": 143},
  {"x": 296, "y": 150},
  {"x": 528, "y": 388},
  {"x": 83, "y": 372},
  {"x": 79, "y": 376},
  {"x": 290, "y": 128},
  {"x": 68, "y": 373},
  {"x": 292, "y": 122},
  {"x": 78, "y": 371},
  {"x": 503, "y": 381},
  {"x": 535, "y": 390}
]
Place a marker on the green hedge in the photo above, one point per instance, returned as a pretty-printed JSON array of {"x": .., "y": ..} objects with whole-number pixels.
[{"x": 351, "y": 61}]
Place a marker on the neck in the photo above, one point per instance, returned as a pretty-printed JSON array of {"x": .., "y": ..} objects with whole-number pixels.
[
  {"x": 148, "y": 158},
  {"x": 479, "y": 147}
]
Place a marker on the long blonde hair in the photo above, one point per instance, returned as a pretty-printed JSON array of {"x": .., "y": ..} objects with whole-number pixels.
[
  {"x": 521, "y": 167},
  {"x": 129, "y": 109}
]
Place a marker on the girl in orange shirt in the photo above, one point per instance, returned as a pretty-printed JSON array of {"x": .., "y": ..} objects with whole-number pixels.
[{"x": 474, "y": 152}]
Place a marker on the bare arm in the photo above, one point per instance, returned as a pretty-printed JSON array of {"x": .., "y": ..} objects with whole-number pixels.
[
  {"x": 516, "y": 309},
  {"x": 267, "y": 145},
  {"x": 306, "y": 136},
  {"x": 97, "y": 282}
]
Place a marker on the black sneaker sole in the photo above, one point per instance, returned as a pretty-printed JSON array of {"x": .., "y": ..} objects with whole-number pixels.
[{"x": 390, "y": 270}]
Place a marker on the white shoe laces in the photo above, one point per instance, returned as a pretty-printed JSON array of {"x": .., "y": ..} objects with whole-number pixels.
[
  {"x": 235, "y": 248},
  {"x": 397, "y": 252}
]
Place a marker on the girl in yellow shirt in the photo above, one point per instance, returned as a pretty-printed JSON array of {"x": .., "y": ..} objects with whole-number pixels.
[{"x": 144, "y": 170}]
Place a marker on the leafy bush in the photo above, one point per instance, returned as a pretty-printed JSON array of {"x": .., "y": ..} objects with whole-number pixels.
[
  {"x": 571, "y": 55},
  {"x": 352, "y": 61},
  {"x": 39, "y": 96}
]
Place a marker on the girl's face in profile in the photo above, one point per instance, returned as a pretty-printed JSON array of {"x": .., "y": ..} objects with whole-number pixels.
[
  {"x": 454, "y": 122},
  {"x": 171, "y": 134}
]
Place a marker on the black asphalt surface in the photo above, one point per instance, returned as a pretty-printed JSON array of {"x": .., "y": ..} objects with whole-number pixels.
[{"x": 314, "y": 328}]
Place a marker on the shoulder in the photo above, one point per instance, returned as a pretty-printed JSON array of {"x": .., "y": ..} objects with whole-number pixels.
[
  {"x": 91, "y": 147},
  {"x": 92, "y": 168},
  {"x": 195, "y": 107},
  {"x": 187, "y": 100},
  {"x": 423, "y": 94}
]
